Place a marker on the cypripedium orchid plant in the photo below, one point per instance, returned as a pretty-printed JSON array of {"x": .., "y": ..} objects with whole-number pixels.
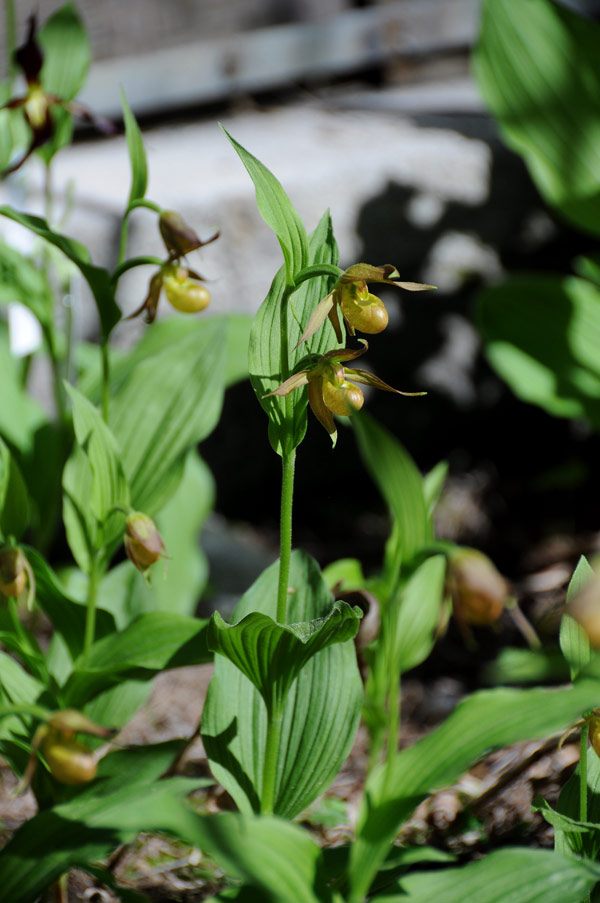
[
  {"x": 360, "y": 309},
  {"x": 332, "y": 387}
]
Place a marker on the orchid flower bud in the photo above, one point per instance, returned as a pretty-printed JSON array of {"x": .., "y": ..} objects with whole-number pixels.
[
  {"x": 143, "y": 542},
  {"x": 477, "y": 589}
]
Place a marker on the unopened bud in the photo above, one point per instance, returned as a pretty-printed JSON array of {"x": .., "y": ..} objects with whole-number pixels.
[
  {"x": 13, "y": 571},
  {"x": 143, "y": 542},
  {"x": 585, "y": 608},
  {"x": 70, "y": 721},
  {"x": 477, "y": 588}
]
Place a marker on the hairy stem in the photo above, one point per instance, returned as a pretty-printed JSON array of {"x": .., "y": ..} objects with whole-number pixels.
[
  {"x": 267, "y": 800},
  {"x": 90, "y": 614},
  {"x": 104, "y": 351},
  {"x": 285, "y": 535},
  {"x": 583, "y": 744}
]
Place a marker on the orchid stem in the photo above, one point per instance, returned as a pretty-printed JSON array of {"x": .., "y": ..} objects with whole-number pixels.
[
  {"x": 90, "y": 615},
  {"x": 285, "y": 547},
  {"x": 267, "y": 802},
  {"x": 583, "y": 744},
  {"x": 104, "y": 351}
]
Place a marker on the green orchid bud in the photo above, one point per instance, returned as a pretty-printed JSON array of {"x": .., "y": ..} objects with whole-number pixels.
[
  {"x": 477, "y": 588},
  {"x": 69, "y": 722},
  {"x": 183, "y": 293},
  {"x": 14, "y": 571},
  {"x": 143, "y": 542}
]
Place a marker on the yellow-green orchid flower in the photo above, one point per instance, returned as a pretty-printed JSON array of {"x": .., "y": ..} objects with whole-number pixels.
[
  {"x": 332, "y": 387},
  {"x": 360, "y": 309}
]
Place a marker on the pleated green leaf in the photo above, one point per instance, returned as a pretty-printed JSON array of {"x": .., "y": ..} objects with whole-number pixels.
[
  {"x": 581, "y": 837},
  {"x": 21, "y": 280},
  {"x": 568, "y": 805},
  {"x": 542, "y": 336},
  {"x": 168, "y": 404},
  {"x": 320, "y": 714},
  {"x": 483, "y": 721},
  {"x": 279, "y": 858},
  {"x": 97, "y": 278},
  {"x": 152, "y": 642},
  {"x": 416, "y": 613},
  {"x": 17, "y": 687},
  {"x": 14, "y": 501},
  {"x": 518, "y": 875},
  {"x": 287, "y": 416},
  {"x": 538, "y": 68},
  {"x": 271, "y": 655},
  {"x": 396, "y": 476},
  {"x": 67, "y": 53},
  {"x": 66, "y": 614},
  {"x": 108, "y": 486},
  {"x": 137, "y": 153},
  {"x": 277, "y": 211},
  {"x": 574, "y": 642}
]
